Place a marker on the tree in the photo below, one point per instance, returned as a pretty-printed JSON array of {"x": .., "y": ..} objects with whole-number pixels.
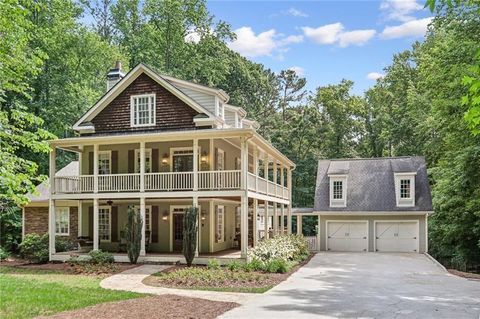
[
  {"x": 133, "y": 234},
  {"x": 292, "y": 88},
  {"x": 190, "y": 234}
]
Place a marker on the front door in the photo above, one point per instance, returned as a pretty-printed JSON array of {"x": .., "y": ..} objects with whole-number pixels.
[{"x": 177, "y": 232}]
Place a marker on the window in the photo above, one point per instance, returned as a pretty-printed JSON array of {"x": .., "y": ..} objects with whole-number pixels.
[
  {"x": 104, "y": 224},
  {"x": 142, "y": 110},
  {"x": 148, "y": 160},
  {"x": 182, "y": 159},
  {"x": 338, "y": 190},
  {"x": 220, "y": 221},
  {"x": 220, "y": 159},
  {"x": 62, "y": 221},
  {"x": 104, "y": 162},
  {"x": 405, "y": 189},
  {"x": 148, "y": 217}
]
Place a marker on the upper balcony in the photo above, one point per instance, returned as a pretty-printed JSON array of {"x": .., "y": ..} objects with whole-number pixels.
[{"x": 174, "y": 166}]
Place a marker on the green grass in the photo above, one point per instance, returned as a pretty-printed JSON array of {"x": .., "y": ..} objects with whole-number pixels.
[{"x": 26, "y": 293}]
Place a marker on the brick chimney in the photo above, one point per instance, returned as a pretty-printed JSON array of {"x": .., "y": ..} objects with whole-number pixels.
[{"x": 114, "y": 75}]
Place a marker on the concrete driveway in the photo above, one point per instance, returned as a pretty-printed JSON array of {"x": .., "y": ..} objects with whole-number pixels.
[{"x": 367, "y": 285}]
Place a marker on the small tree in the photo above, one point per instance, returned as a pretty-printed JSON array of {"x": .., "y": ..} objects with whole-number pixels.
[
  {"x": 190, "y": 229},
  {"x": 133, "y": 234}
]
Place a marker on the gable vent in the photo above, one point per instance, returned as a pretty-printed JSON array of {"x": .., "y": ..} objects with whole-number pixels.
[{"x": 114, "y": 75}]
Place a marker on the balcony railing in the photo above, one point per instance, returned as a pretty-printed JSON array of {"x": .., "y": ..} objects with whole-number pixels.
[{"x": 168, "y": 181}]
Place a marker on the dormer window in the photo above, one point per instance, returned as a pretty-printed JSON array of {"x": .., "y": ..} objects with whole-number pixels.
[
  {"x": 405, "y": 189},
  {"x": 142, "y": 110},
  {"x": 338, "y": 191}
]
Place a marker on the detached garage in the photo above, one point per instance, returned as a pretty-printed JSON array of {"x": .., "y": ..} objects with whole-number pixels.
[
  {"x": 396, "y": 236},
  {"x": 347, "y": 235}
]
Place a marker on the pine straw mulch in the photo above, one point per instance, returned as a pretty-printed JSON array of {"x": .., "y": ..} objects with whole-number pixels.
[
  {"x": 468, "y": 275},
  {"x": 165, "y": 306}
]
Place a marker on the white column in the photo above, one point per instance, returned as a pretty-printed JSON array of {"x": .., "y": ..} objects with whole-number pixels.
[
  {"x": 195, "y": 204},
  {"x": 299, "y": 224},
  {"x": 51, "y": 229},
  {"x": 79, "y": 219},
  {"x": 255, "y": 166},
  {"x": 212, "y": 224},
  {"x": 95, "y": 168},
  {"x": 275, "y": 219},
  {"x": 95, "y": 224},
  {"x": 195, "y": 164},
  {"x": 142, "y": 215},
  {"x": 265, "y": 218},
  {"x": 142, "y": 166},
  {"x": 265, "y": 170},
  {"x": 318, "y": 232},
  {"x": 289, "y": 213},
  {"x": 244, "y": 164},
  {"x": 254, "y": 222},
  {"x": 282, "y": 220},
  {"x": 244, "y": 225},
  {"x": 274, "y": 170}
]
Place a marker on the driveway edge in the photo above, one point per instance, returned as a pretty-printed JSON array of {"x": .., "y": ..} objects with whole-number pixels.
[{"x": 436, "y": 262}]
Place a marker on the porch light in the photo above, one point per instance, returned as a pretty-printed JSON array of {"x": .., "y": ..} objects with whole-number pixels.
[
  {"x": 203, "y": 158},
  {"x": 165, "y": 216},
  {"x": 204, "y": 215},
  {"x": 165, "y": 159}
]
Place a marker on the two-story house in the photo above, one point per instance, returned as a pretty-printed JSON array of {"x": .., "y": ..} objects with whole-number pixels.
[{"x": 160, "y": 145}]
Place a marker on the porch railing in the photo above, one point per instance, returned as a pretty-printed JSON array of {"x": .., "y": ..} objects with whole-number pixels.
[
  {"x": 169, "y": 181},
  {"x": 217, "y": 180}
]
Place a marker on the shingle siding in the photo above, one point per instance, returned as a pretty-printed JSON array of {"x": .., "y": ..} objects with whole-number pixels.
[{"x": 171, "y": 112}]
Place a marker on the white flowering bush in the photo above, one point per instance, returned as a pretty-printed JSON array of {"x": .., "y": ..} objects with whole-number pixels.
[{"x": 284, "y": 248}]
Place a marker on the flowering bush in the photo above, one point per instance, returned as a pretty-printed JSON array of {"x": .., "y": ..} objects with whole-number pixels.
[{"x": 285, "y": 248}]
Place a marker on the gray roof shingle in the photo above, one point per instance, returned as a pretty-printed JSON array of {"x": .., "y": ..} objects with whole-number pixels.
[{"x": 370, "y": 183}]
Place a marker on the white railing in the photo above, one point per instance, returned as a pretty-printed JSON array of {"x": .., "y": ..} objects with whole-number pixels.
[
  {"x": 169, "y": 181},
  {"x": 252, "y": 181},
  {"x": 262, "y": 185},
  {"x": 74, "y": 184},
  {"x": 217, "y": 180},
  {"x": 118, "y": 182},
  {"x": 312, "y": 242}
]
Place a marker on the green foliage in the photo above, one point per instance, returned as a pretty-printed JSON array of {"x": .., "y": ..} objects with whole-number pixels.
[
  {"x": 213, "y": 264},
  {"x": 4, "y": 254},
  {"x": 133, "y": 234},
  {"x": 34, "y": 248},
  {"x": 64, "y": 244},
  {"x": 190, "y": 233},
  {"x": 253, "y": 265},
  {"x": 10, "y": 229},
  {"x": 285, "y": 248},
  {"x": 234, "y": 266},
  {"x": 277, "y": 266},
  {"x": 100, "y": 257}
]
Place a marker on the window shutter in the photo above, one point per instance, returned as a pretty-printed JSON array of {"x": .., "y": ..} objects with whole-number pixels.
[
  {"x": 114, "y": 162},
  {"x": 216, "y": 222},
  {"x": 114, "y": 231},
  {"x": 90, "y": 163},
  {"x": 131, "y": 161},
  {"x": 154, "y": 224},
  {"x": 155, "y": 160},
  {"x": 216, "y": 159},
  {"x": 90, "y": 222}
]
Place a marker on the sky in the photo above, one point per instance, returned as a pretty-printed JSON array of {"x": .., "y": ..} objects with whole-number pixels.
[{"x": 324, "y": 41}]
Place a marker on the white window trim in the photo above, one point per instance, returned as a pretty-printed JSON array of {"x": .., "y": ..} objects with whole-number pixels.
[
  {"x": 405, "y": 202},
  {"x": 57, "y": 209},
  {"x": 109, "y": 223},
  {"x": 109, "y": 161},
  {"x": 132, "y": 110},
  {"x": 338, "y": 202},
  {"x": 217, "y": 214},
  {"x": 187, "y": 148},
  {"x": 148, "y": 153}
]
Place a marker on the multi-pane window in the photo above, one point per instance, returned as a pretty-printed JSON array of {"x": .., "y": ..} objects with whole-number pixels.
[
  {"x": 220, "y": 220},
  {"x": 62, "y": 221},
  {"x": 104, "y": 225},
  {"x": 148, "y": 161},
  {"x": 337, "y": 189},
  {"x": 148, "y": 224},
  {"x": 143, "y": 110},
  {"x": 405, "y": 187},
  {"x": 104, "y": 162}
]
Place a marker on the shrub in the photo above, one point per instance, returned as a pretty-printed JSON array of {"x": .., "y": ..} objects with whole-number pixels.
[
  {"x": 190, "y": 230},
  {"x": 100, "y": 257},
  {"x": 64, "y": 244},
  {"x": 253, "y": 265},
  {"x": 34, "y": 248},
  {"x": 3, "y": 254},
  {"x": 234, "y": 266},
  {"x": 134, "y": 234},
  {"x": 277, "y": 266},
  {"x": 213, "y": 264}
]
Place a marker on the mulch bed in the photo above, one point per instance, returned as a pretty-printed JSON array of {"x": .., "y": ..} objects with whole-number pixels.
[
  {"x": 467, "y": 275},
  {"x": 267, "y": 279},
  {"x": 166, "y": 306}
]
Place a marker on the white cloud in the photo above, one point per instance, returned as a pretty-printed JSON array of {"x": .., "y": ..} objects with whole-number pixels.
[
  {"x": 296, "y": 13},
  {"x": 375, "y": 75},
  {"x": 298, "y": 69},
  {"x": 250, "y": 44},
  {"x": 400, "y": 10},
  {"x": 334, "y": 34},
  {"x": 192, "y": 37},
  {"x": 414, "y": 28}
]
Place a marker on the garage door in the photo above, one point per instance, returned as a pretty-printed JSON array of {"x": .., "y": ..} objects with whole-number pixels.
[
  {"x": 396, "y": 236},
  {"x": 347, "y": 236}
]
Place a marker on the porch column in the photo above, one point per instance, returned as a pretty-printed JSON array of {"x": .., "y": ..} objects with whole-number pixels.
[
  {"x": 254, "y": 222},
  {"x": 79, "y": 219},
  {"x": 289, "y": 213},
  {"x": 255, "y": 166},
  {"x": 266, "y": 221},
  {"x": 265, "y": 171},
  {"x": 195, "y": 204},
  {"x": 95, "y": 224},
  {"x": 51, "y": 206},
  {"x": 275, "y": 219},
  {"x": 299, "y": 225},
  {"x": 282, "y": 220},
  {"x": 142, "y": 171},
  {"x": 142, "y": 215},
  {"x": 274, "y": 171},
  {"x": 244, "y": 226},
  {"x": 195, "y": 164},
  {"x": 95, "y": 168}
]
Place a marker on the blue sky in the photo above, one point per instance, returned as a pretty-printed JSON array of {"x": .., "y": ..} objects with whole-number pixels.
[{"x": 324, "y": 41}]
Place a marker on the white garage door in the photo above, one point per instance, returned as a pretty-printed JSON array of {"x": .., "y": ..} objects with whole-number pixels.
[
  {"x": 396, "y": 236},
  {"x": 347, "y": 236}
]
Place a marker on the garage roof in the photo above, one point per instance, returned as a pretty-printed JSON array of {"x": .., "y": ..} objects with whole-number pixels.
[{"x": 370, "y": 183}]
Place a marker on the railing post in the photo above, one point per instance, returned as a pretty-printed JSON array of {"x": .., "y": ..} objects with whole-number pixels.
[
  {"x": 195, "y": 164},
  {"x": 95, "y": 168},
  {"x": 142, "y": 166}
]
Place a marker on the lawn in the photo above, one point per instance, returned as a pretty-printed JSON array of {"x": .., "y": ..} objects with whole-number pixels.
[{"x": 27, "y": 293}]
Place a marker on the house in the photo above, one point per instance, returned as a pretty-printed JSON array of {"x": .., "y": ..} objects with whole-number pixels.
[
  {"x": 375, "y": 205},
  {"x": 160, "y": 145}
]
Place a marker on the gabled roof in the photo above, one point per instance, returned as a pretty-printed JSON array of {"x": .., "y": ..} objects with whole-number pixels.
[
  {"x": 371, "y": 184},
  {"x": 124, "y": 83},
  {"x": 197, "y": 87}
]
